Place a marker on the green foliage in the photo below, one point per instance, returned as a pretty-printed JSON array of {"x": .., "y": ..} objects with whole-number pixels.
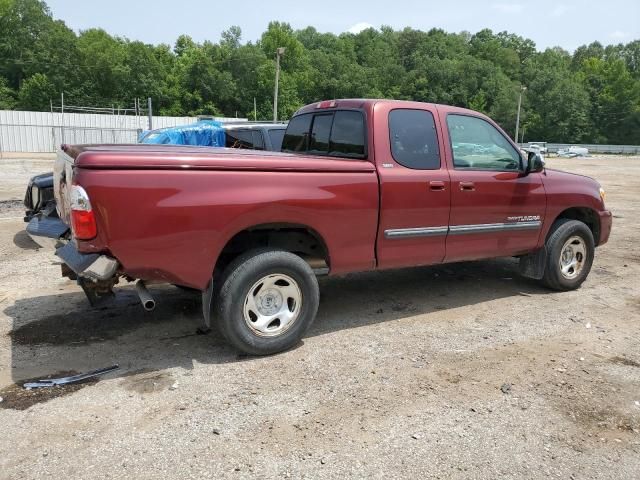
[
  {"x": 36, "y": 92},
  {"x": 7, "y": 95},
  {"x": 592, "y": 95}
]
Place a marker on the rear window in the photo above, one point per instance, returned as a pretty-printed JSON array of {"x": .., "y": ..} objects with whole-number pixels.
[
  {"x": 347, "y": 135},
  {"x": 297, "y": 134},
  {"x": 320, "y": 131},
  {"x": 336, "y": 134}
]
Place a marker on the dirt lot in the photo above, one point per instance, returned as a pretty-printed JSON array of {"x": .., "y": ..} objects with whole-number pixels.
[{"x": 457, "y": 371}]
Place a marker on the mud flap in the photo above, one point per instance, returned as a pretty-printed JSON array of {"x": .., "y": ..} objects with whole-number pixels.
[
  {"x": 207, "y": 300},
  {"x": 533, "y": 264}
]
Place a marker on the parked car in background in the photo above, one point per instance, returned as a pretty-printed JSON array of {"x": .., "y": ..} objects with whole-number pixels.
[
  {"x": 255, "y": 135},
  {"x": 362, "y": 185},
  {"x": 39, "y": 198},
  {"x": 539, "y": 147}
]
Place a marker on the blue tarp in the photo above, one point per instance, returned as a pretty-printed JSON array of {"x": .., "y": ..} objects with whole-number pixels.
[{"x": 206, "y": 133}]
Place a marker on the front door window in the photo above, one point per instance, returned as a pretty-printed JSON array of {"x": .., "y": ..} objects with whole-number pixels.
[{"x": 478, "y": 145}]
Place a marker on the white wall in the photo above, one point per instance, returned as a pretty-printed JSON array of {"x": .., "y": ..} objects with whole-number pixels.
[{"x": 22, "y": 131}]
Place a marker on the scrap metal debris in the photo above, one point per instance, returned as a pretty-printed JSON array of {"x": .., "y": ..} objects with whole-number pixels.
[
  {"x": 505, "y": 388},
  {"x": 52, "y": 382},
  {"x": 573, "y": 152}
]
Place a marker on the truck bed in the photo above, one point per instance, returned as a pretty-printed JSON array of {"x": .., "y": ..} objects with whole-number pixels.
[{"x": 156, "y": 206}]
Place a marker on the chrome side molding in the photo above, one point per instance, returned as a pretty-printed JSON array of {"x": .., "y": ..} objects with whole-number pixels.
[
  {"x": 460, "y": 229},
  {"x": 415, "y": 232},
  {"x": 494, "y": 227}
]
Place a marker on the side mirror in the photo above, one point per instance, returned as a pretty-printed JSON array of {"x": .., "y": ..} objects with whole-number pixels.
[{"x": 535, "y": 163}]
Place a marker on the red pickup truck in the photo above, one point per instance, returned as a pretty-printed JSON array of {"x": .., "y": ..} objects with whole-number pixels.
[{"x": 360, "y": 185}]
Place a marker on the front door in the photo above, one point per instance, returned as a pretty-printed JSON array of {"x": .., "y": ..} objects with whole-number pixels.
[
  {"x": 414, "y": 186},
  {"x": 495, "y": 209}
]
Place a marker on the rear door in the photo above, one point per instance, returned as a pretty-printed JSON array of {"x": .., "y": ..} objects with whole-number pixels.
[
  {"x": 414, "y": 185},
  {"x": 495, "y": 209}
]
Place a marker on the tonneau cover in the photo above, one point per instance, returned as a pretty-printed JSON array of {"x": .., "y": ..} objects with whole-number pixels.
[{"x": 140, "y": 156}]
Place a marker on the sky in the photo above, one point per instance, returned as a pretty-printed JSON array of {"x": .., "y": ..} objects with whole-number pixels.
[{"x": 564, "y": 23}]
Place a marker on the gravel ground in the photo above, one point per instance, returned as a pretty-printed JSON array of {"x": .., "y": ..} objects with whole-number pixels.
[{"x": 455, "y": 371}]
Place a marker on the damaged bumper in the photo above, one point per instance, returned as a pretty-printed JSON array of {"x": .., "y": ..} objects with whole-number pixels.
[
  {"x": 88, "y": 265},
  {"x": 51, "y": 232}
]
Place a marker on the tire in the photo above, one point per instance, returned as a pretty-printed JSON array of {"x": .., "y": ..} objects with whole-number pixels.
[
  {"x": 267, "y": 301},
  {"x": 575, "y": 239}
]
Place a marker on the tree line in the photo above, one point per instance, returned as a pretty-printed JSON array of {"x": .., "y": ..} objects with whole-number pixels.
[{"x": 590, "y": 96}]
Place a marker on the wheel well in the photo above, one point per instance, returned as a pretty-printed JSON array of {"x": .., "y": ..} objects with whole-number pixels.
[
  {"x": 587, "y": 216},
  {"x": 298, "y": 239}
]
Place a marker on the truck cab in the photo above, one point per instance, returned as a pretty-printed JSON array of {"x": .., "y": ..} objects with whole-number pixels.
[{"x": 453, "y": 186}]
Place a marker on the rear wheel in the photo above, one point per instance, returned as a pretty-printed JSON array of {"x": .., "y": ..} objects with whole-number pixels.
[
  {"x": 267, "y": 301},
  {"x": 570, "y": 252}
]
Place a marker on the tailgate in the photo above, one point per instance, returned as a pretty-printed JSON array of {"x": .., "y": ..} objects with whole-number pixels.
[{"x": 62, "y": 177}]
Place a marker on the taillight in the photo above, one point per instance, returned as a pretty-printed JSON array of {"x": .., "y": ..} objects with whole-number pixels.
[{"x": 83, "y": 221}]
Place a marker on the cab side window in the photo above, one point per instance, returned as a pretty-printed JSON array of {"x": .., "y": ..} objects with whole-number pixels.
[
  {"x": 478, "y": 145},
  {"x": 414, "y": 142}
]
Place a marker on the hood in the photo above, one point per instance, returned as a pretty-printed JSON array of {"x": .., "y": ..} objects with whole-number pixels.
[
  {"x": 572, "y": 189},
  {"x": 562, "y": 176}
]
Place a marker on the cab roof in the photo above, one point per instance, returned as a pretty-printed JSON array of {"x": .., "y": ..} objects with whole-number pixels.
[{"x": 369, "y": 103}]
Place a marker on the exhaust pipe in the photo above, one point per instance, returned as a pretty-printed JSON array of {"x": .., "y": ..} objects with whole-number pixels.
[{"x": 148, "y": 303}]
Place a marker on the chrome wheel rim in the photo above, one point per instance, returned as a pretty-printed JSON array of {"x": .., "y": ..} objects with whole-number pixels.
[
  {"x": 272, "y": 305},
  {"x": 573, "y": 257}
]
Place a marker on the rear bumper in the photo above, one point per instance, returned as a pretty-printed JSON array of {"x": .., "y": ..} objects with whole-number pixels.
[
  {"x": 50, "y": 232},
  {"x": 605, "y": 226},
  {"x": 88, "y": 265}
]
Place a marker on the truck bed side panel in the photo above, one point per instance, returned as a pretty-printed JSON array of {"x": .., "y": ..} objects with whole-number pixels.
[{"x": 170, "y": 225}]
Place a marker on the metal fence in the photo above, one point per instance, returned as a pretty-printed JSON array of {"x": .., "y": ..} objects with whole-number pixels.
[
  {"x": 593, "y": 148},
  {"x": 622, "y": 149},
  {"x": 22, "y": 131}
]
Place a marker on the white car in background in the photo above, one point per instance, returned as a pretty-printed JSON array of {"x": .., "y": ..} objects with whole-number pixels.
[{"x": 538, "y": 147}]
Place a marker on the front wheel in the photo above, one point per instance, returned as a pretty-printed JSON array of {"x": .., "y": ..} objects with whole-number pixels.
[
  {"x": 267, "y": 301},
  {"x": 570, "y": 252}
]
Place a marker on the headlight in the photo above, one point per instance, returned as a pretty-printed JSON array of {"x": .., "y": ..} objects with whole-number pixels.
[
  {"x": 35, "y": 197},
  {"x": 603, "y": 195}
]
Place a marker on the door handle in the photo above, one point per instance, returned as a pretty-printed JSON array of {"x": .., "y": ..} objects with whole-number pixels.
[
  {"x": 467, "y": 186},
  {"x": 436, "y": 186}
]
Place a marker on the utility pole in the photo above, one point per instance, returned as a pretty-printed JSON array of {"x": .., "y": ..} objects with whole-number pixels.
[
  {"x": 522, "y": 89},
  {"x": 255, "y": 110},
  {"x": 279, "y": 53},
  {"x": 150, "y": 113},
  {"x": 62, "y": 115}
]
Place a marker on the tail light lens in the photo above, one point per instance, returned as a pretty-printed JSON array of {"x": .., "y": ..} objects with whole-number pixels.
[{"x": 83, "y": 221}]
